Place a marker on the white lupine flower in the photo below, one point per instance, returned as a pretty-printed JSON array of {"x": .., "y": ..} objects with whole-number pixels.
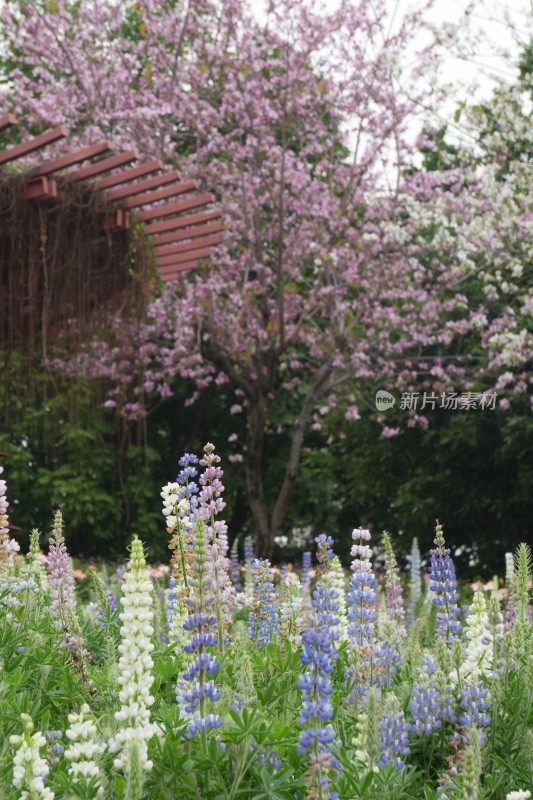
[
  {"x": 509, "y": 569},
  {"x": 520, "y": 794},
  {"x": 338, "y": 583},
  {"x": 479, "y": 653},
  {"x": 29, "y": 769},
  {"x": 84, "y": 750},
  {"x": 290, "y": 610},
  {"x": 135, "y": 665}
]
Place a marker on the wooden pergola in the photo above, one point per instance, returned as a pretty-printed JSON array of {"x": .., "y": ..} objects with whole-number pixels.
[{"x": 88, "y": 230}]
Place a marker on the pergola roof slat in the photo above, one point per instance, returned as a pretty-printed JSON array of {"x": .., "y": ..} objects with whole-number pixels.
[
  {"x": 37, "y": 143},
  {"x": 193, "y": 255},
  {"x": 179, "y": 240},
  {"x": 205, "y": 241},
  {"x": 179, "y": 222},
  {"x": 175, "y": 208},
  {"x": 129, "y": 174},
  {"x": 104, "y": 165},
  {"x": 189, "y": 233},
  {"x": 171, "y": 273},
  {"x": 70, "y": 159},
  {"x": 174, "y": 190},
  {"x": 144, "y": 186},
  {"x": 7, "y": 120}
]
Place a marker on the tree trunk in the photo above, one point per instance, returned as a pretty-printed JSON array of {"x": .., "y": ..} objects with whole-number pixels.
[{"x": 268, "y": 522}]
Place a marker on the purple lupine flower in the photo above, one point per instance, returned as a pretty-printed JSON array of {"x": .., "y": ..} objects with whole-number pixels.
[
  {"x": 415, "y": 582},
  {"x": 387, "y": 661},
  {"x": 425, "y": 708},
  {"x": 171, "y": 601},
  {"x": 195, "y": 691},
  {"x": 444, "y": 584},
  {"x": 263, "y": 622},
  {"x": 4, "y": 505},
  {"x": 425, "y": 700},
  {"x": 319, "y": 655},
  {"x": 324, "y": 549},
  {"x": 474, "y": 706},
  {"x": 393, "y": 588},
  {"x": 306, "y": 566},
  {"x": 362, "y": 593},
  {"x": 393, "y": 734},
  {"x": 235, "y": 566},
  {"x": 55, "y": 748},
  {"x": 210, "y": 503},
  {"x": 62, "y": 594}
]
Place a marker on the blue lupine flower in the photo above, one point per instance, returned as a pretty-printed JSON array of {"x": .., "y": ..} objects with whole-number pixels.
[
  {"x": 324, "y": 550},
  {"x": 319, "y": 655},
  {"x": 444, "y": 584},
  {"x": 171, "y": 601},
  {"x": 306, "y": 566},
  {"x": 474, "y": 707},
  {"x": 387, "y": 662},
  {"x": 425, "y": 705},
  {"x": 263, "y": 622},
  {"x": 393, "y": 728},
  {"x": 193, "y": 691}
]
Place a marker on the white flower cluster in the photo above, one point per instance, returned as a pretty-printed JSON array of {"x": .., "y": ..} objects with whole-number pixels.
[
  {"x": 509, "y": 569},
  {"x": 29, "y": 769},
  {"x": 290, "y": 610},
  {"x": 84, "y": 750},
  {"x": 174, "y": 508},
  {"x": 135, "y": 664},
  {"x": 338, "y": 583},
  {"x": 478, "y": 660},
  {"x": 520, "y": 794}
]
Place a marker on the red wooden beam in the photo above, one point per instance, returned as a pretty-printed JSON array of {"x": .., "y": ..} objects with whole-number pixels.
[
  {"x": 205, "y": 241},
  {"x": 40, "y": 189},
  {"x": 143, "y": 186},
  {"x": 175, "y": 208},
  {"x": 70, "y": 159},
  {"x": 179, "y": 222},
  {"x": 99, "y": 167},
  {"x": 193, "y": 255},
  {"x": 161, "y": 194},
  {"x": 172, "y": 272},
  {"x": 188, "y": 233},
  {"x": 129, "y": 174},
  {"x": 7, "y": 120},
  {"x": 120, "y": 220},
  {"x": 23, "y": 149}
]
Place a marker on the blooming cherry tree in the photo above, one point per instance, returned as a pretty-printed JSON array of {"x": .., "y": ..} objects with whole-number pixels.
[{"x": 338, "y": 264}]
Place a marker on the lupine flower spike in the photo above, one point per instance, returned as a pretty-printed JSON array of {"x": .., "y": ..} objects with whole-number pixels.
[
  {"x": 263, "y": 622},
  {"x": 361, "y": 615},
  {"x": 318, "y": 656},
  {"x": 479, "y": 651},
  {"x": 290, "y": 610},
  {"x": 210, "y": 504},
  {"x": 393, "y": 588},
  {"x": 29, "y": 768},
  {"x": 62, "y": 595},
  {"x": 130, "y": 742},
  {"x": 444, "y": 585},
  {"x": 83, "y": 753},
  {"x": 196, "y": 692}
]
